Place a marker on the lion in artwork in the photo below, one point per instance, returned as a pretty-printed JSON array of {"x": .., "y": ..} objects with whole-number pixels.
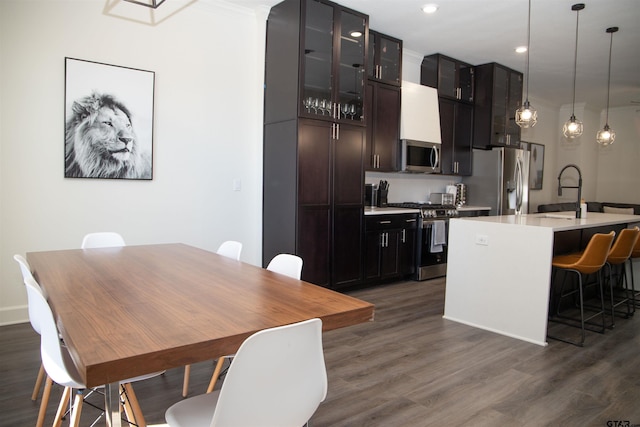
[{"x": 100, "y": 141}]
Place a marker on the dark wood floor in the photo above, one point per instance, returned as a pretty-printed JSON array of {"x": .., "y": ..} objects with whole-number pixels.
[{"x": 410, "y": 368}]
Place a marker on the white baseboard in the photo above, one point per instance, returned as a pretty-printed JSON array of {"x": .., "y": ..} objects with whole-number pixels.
[{"x": 14, "y": 315}]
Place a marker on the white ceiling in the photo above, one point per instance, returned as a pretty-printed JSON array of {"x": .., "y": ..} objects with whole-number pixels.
[{"x": 480, "y": 31}]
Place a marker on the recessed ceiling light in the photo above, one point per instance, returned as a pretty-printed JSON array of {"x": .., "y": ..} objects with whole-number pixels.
[
  {"x": 430, "y": 8},
  {"x": 521, "y": 49},
  {"x": 355, "y": 34}
]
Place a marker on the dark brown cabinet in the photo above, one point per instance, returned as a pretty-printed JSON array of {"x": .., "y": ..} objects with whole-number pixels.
[
  {"x": 456, "y": 128},
  {"x": 454, "y": 79},
  {"x": 385, "y": 58},
  {"x": 498, "y": 94},
  {"x": 314, "y": 139},
  {"x": 390, "y": 246},
  {"x": 383, "y": 127}
]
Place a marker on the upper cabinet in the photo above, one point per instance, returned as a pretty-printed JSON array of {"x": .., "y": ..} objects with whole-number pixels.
[
  {"x": 454, "y": 79},
  {"x": 498, "y": 94},
  {"x": 385, "y": 58},
  {"x": 333, "y": 63}
]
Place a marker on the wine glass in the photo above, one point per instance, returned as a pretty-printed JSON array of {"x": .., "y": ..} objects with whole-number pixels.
[
  {"x": 307, "y": 103},
  {"x": 323, "y": 105},
  {"x": 345, "y": 110},
  {"x": 316, "y": 105},
  {"x": 352, "y": 111}
]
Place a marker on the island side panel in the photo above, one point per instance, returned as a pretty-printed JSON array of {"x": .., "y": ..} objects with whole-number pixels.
[{"x": 498, "y": 277}]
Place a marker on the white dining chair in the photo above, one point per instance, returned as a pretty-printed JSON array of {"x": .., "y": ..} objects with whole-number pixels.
[
  {"x": 102, "y": 240},
  {"x": 25, "y": 269},
  {"x": 230, "y": 249},
  {"x": 278, "y": 379},
  {"x": 61, "y": 369},
  {"x": 287, "y": 264}
]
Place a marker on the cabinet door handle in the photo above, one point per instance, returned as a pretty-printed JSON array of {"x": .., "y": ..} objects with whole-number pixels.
[
  {"x": 410, "y": 220},
  {"x": 386, "y": 240},
  {"x": 384, "y": 222},
  {"x": 377, "y": 161},
  {"x": 337, "y": 131},
  {"x": 404, "y": 235}
]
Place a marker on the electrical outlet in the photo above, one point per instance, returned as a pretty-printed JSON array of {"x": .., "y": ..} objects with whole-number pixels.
[
  {"x": 482, "y": 239},
  {"x": 237, "y": 185}
]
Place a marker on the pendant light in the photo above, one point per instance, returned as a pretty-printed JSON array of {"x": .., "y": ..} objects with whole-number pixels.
[
  {"x": 573, "y": 127},
  {"x": 527, "y": 116},
  {"x": 606, "y": 135},
  {"x": 153, "y": 4}
]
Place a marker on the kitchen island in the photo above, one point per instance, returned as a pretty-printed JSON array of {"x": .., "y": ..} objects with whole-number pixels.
[{"x": 499, "y": 269}]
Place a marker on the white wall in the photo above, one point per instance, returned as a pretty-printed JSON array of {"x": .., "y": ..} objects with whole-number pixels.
[
  {"x": 618, "y": 164},
  {"x": 208, "y": 60}
]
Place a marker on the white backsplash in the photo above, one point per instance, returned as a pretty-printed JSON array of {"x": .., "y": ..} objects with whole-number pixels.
[{"x": 411, "y": 187}]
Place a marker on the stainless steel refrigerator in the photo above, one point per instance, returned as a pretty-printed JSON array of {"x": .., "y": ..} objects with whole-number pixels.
[{"x": 500, "y": 180}]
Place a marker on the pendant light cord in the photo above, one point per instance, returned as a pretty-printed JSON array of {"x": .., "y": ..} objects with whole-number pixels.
[
  {"x": 575, "y": 67},
  {"x": 528, "y": 51},
  {"x": 606, "y": 121}
]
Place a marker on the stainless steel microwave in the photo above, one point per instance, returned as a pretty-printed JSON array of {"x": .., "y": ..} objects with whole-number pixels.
[{"x": 420, "y": 157}]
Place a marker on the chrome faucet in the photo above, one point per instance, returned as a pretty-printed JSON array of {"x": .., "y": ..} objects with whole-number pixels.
[{"x": 579, "y": 187}]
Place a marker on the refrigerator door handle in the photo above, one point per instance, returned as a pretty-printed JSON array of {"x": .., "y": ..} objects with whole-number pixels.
[{"x": 519, "y": 185}]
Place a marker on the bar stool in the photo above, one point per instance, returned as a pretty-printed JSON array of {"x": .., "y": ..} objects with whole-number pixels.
[
  {"x": 635, "y": 255},
  {"x": 619, "y": 254},
  {"x": 590, "y": 261}
]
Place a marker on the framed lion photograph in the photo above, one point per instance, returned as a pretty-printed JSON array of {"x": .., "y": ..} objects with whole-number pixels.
[{"x": 108, "y": 121}]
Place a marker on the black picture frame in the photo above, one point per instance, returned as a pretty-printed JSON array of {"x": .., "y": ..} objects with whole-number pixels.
[
  {"x": 108, "y": 121},
  {"x": 536, "y": 166}
]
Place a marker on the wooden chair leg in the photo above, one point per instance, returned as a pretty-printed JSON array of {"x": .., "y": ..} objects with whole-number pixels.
[
  {"x": 216, "y": 374},
  {"x": 76, "y": 410},
  {"x": 132, "y": 406},
  {"x": 64, "y": 400},
  {"x": 185, "y": 383},
  {"x": 45, "y": 401},
  {"x": 38, "y": 384}
]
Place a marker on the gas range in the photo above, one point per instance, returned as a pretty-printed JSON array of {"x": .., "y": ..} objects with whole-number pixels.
[{"x": 429, "y": 210}]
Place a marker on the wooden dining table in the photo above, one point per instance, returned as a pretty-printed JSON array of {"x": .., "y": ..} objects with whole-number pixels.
[{"x": 134, "y": 310}]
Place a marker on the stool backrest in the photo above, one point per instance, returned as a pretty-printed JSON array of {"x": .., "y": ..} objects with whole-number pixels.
[
  {"x": 595, "y": 255},
  {"x": 623, "y": 247},
  {"x": 636, "y": 250}
]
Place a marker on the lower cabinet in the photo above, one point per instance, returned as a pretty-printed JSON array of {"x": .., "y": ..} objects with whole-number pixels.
[{"x": 390, "y": 246}]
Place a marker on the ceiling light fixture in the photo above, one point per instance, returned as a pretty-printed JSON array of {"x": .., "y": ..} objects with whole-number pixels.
[
  {"x": 153, "y": 4},
  {"x": 430, "y": 8},
  {"x": 573, "y": 128},
  {"x": 606, "y": 135},
  {"x": 527, "y": 116}
]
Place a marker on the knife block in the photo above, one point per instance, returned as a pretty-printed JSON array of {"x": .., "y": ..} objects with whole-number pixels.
[{"x": 382, "y": 198}]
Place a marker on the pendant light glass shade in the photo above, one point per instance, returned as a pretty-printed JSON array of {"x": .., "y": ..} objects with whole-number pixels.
[
  {"x": 606, "y": 135},
  {"x": 573, "y": 127},
  {"x": 527, "y": 116}
]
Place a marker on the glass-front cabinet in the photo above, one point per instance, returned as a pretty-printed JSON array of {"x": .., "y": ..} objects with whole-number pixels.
[
  {"x": 498, "y": 92},
  {"x": 385, "y": 58},
  {"x": 334, "y": 63}
]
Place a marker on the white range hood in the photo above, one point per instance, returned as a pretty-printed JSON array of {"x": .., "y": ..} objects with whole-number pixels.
[{"x": 419, "y": 113}]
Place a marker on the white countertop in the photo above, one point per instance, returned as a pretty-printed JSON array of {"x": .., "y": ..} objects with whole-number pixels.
[
  {"x": 473, "y": 208},
  {"x": 389, "y": 211},
  {"x": 558, "y": 221}
]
